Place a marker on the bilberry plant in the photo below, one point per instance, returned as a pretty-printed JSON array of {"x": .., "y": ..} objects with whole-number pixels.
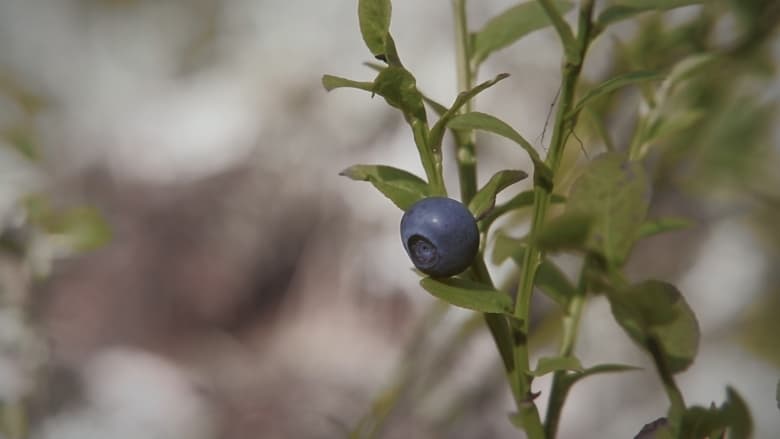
[{"x": 599, "y": 218}]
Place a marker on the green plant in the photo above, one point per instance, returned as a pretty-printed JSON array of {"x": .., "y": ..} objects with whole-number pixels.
[{"x": 601, "y": 217}]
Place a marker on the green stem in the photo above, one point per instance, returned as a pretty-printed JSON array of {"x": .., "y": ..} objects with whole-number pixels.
[
  {"x": 465, "y": 153},
  {"x": 561, "y": 128},
  {"x": 571, "y": 323},
  {"x": 431, "y": 161},
  {"x": 667, "y": 378},
  {"x": 467, "y": 173}
]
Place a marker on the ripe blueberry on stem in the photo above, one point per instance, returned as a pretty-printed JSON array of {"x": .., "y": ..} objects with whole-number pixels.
[{"x": 440, "y": 236}]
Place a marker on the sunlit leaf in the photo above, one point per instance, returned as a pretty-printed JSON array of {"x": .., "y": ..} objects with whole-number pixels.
[
  {"x": 485, "y": 198},
  {"x": 510, "y": 26},
  {"x": 437, "y": 131},
  {"x": 374, "y": 19},
  {"x": 470, "y": 295},
  {"x": 399, "y": 88},
  {"x": 485, "y": 122},
  {"x": 331, "y": 82},
  {"x": 401, "y": 187}
]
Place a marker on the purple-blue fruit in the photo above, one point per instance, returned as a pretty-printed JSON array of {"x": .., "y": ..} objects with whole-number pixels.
[{"x": 440, "y": 235}]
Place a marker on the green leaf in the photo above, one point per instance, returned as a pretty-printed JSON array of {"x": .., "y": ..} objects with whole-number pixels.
[
  {"x": 84, "y": 227},
  {"x": 569, "y": 231},
  {"x": 401, "y": 187},
  {"x": 509, "y": 26},
  {"x": 570, "y": 47},
  {"x": 24, "y": 143},
  {"x": 615, "y": 83},
  {"x": 482, "y": 121},
  {"x": 687, "y": 68},
  {"x": 485, "y": 198},
  {"x": 626, "y": 9},
  {"x": 470, "y": 295},
  {"x": 399, "y": 88},
  {"x": 437, "y": 108},
  {"x": 607, "y": 368},
  {"x": 615, "y": 195},
  {"x": 654, "y": 312},
  {"x": 546, "y": 365},
  {"x": 733, "y": 416},
  {"x": 331, "y": 82},
  {"x": 571, "y": 379},
  {"x": 738, "y": 415},
  {"x": 552, "y": 282},
  {"x": 526, "y": 420},
  {"x": 374, "y": 19},
  {"x": 506, "y": 247},
  {"x": 663, "y": 225},
  {"x": 662, "y": 125},
  {"x": 437, "y": 132},
  {"x": 391, "y": 53},
  {"x": 523, "y": 199}
]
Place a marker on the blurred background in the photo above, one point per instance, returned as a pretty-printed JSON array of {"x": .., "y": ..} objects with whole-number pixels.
[{"x": 180, "y": 258}]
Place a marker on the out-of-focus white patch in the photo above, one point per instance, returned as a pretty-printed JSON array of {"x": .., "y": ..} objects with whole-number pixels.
[
  {"x": 11, "y": 113},
  {"x": 726, "y": 275},
  {"x": 132, "y": 394},
  {"x": 21, "y": 354},
  {"x": 18, "y": 177},
  {"x": 196, "y": 129}
]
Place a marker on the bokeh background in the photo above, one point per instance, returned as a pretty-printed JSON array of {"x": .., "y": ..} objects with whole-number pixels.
[{"x": 248, "y": 291}]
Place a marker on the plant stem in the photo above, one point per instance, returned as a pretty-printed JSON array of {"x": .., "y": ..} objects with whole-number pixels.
[
  {"x": 571, "y": 323},
  {"x": 467, "y": 173},
  {"x": 667, "y": 378},
  {"x": 465, "y": 153},
  {"x": 561, "y": 127}
]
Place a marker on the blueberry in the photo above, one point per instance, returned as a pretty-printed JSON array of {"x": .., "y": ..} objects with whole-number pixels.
[{"x": 440, "y": 235}]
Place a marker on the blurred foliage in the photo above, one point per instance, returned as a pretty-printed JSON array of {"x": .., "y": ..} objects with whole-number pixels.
[
  {"x": 33, "y": 235},
  {"x": 719, "y": 143}
]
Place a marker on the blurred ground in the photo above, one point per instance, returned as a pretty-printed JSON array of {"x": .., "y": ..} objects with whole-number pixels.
[{"x": 250, "y": 292}]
